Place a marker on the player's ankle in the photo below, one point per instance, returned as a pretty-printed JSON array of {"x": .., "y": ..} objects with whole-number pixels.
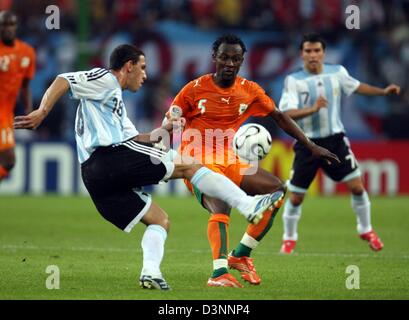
[
  {"x": 241, "y": 251},
  {"x": 219, "y": 272}
]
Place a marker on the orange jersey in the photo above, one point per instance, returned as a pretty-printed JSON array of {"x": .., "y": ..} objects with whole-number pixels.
[
  {"x": 216, "y": 114},
  {"x": 16, "y": 63}
]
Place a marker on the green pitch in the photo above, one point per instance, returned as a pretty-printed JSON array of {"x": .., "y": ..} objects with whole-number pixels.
[{"x": 97, "y": 261}]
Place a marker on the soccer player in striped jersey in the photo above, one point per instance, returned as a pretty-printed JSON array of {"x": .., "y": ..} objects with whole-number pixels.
[
  {"x": 117, "y": 161},
  {"x": 312, "y": 97},
  {"x": 221, "y": 102}
]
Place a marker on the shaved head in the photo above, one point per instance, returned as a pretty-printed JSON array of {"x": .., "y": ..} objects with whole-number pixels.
[{"x": 8, "y": 27}]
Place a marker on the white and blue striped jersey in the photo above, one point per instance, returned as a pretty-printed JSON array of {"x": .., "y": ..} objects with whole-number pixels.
[
  {"x": 301, "y": 90},
  {"x": 101, "y": 118}
]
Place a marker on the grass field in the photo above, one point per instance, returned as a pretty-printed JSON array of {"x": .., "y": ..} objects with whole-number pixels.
[{"x": 97, "y": 261}]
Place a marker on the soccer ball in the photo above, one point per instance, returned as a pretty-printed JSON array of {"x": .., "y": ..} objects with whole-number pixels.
[{"x": 252, "y": 142}]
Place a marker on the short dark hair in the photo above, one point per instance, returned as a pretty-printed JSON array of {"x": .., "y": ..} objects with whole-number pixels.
[
  {"x": 122, "y": 54},
  {"x": 4, "y": 15},
  {"x": 228, "y": 39},
  {"x": 312, "y": 37}
]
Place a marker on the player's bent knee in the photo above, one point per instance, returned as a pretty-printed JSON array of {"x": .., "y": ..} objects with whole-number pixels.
[
  {"x": 191, "y": 170},
  {"x": 185, "y": 171},
  {"x": 156, "y": 215},
  {"x": 357, "y": 191},
  {"x": 165, "y": 223},
  {"x": 296, "y": 199}
]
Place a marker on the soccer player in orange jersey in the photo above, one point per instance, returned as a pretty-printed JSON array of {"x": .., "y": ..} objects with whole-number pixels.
[
  {"x": 223, "y": 101},
  {"x": 17, "y": 67}
]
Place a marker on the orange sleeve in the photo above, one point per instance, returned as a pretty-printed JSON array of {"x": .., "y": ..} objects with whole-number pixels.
[
  {"x": 185, "y": 99},
  {"x": 30, "y": 71},
  {"x": 262, "y": 104}
]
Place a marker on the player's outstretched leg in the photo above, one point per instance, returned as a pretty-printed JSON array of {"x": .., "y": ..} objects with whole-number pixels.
[{"x": 218, "y": 186}]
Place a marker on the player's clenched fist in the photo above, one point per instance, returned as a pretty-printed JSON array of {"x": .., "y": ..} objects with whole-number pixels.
[{"x": 320, "y": 103}]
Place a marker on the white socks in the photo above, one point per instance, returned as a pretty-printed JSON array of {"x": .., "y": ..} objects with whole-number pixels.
[
  {"x": 220, "y": 263},
  {"x": 291, "y": 216},
  {"x": 249, "y": 241},
  {"x": 218, "y": 186},
  {"x": 362, "y": 208},
  {"x": 153, "y": 247},
  {"x": 360, "y": 204}
]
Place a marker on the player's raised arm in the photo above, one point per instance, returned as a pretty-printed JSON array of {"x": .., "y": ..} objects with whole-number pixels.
[
  {"x": 290, "y": 127},
  {"x": 31, "y": 121},
  {"x": 368, "y": 90}
]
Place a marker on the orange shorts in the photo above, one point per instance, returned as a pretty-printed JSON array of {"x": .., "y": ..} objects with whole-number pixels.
[
  {"x": 6, "y": 138},
  {"x": 234, "y": 172}
]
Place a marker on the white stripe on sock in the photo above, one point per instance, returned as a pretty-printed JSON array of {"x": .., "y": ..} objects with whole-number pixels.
[
  {"x": 219, "y": 263},
  {"x": 249, "y": 241}
]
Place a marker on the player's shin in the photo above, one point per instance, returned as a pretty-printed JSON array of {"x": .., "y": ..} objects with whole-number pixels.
[
  {"x": 217, "y": 233},
  {"x": 254, "y": 234},
  {"x": 291, "y": 216},
  {"x": 362, "y": 208},
  {"x": 153, "y": 244}
]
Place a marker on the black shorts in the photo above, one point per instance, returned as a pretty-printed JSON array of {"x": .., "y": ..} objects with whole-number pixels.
[
  {"x": 114, "y": 177},
  {"x": 305, "y": 166}
]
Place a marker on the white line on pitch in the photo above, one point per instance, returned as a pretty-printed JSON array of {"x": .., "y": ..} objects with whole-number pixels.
[{"x": 13, "y": 247}]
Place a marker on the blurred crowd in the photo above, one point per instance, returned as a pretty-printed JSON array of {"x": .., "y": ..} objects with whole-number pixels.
[{"x": 380, "y": 47}]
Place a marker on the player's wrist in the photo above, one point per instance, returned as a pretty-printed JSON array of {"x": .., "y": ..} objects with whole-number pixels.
[
  {"x": 43, "y": 112},
  {"x": 310, "y": 144}
]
